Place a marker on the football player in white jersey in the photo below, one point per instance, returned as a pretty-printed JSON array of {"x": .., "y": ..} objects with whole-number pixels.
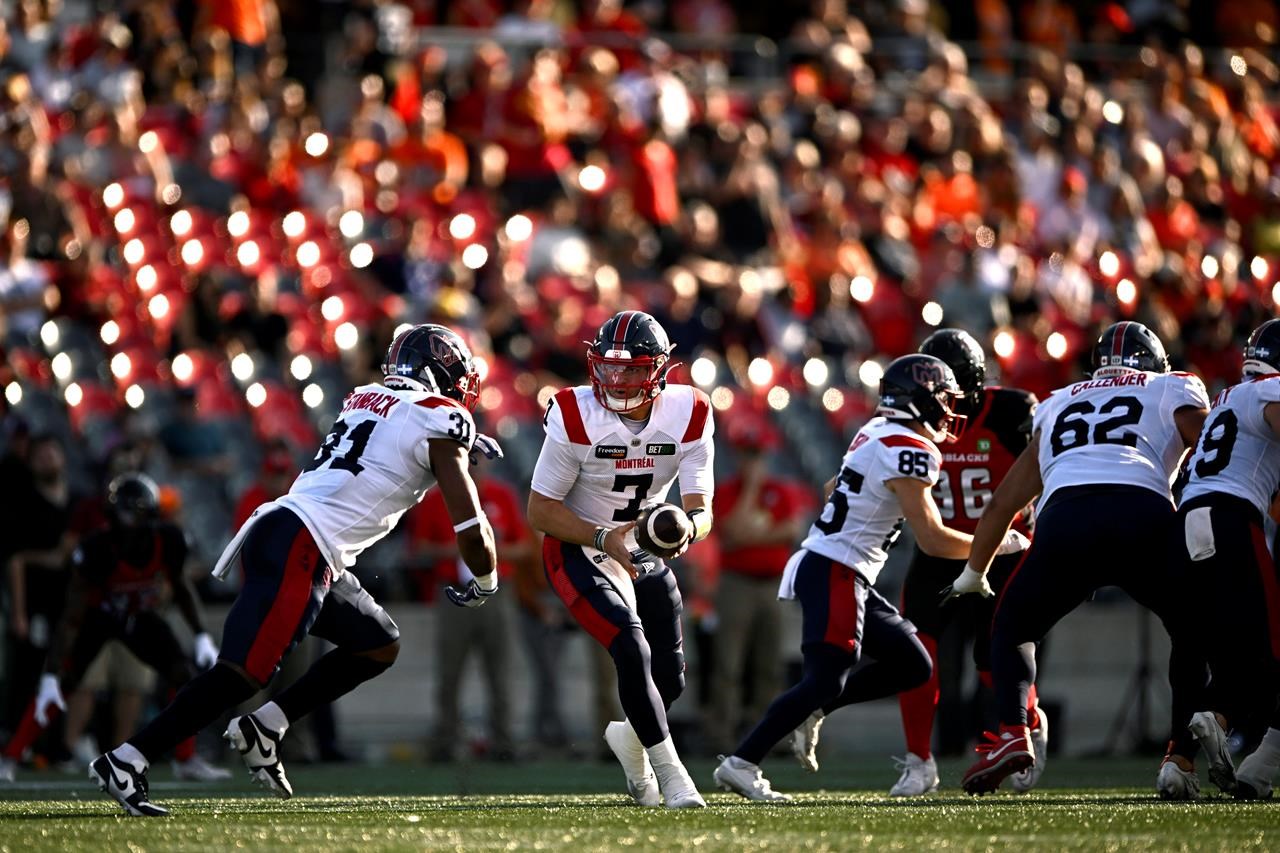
[
  {"x": 390, "y": 443},
  {"x": 1103, "y": 454},
  {"x": 886, "y": 478},
  {"x": 1232, "y": 476},
  {"x": 613, "y": 449}
]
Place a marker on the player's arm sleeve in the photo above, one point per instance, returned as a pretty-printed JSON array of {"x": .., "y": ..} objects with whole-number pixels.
[
  {"x": 558, "y": 465},
  {"x": 1189, "y": 391},
  {"x": 452, "y": 422},
  {"x": 697, "y": 462}
]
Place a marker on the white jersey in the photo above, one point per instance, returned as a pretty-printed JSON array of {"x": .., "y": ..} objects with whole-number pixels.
[
  {"x": 1115, "y": 430},
  {"x": 606, "y": 474},
  {"x": 372, "y": 467},
  {"x": 1237, "y": 453},
  {"x": 863, "y": 518}
]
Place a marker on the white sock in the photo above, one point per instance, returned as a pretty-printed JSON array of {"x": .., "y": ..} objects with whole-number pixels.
[
  {"x": 632, "y": 740},
  {"x": 271, "y": 716},
  {"x": 129, "y": 754},
  {"x": 672, "y": 777}
]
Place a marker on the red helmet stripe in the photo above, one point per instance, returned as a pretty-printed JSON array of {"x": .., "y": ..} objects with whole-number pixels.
[
  {"x": 1117, "y": 342},
  {"x": 395, "y": 348},
  {"x": 620, "y": 331}
]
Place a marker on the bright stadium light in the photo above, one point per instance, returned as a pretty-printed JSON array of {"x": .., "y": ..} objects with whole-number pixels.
[
  {"x": 1259, "y": 267},
  {"x": 124, "y": 220},
  {"x": 778, "y": 398},
  {"x": 1004, "y": 344},
  {"x": 833, "y": 399},
  {"x": 293, "y": 224},
  {"x": 759, "y": 372},
  {"x": 183, "y": 367},
  {"x": 1109, "y": 264},
  {"x": 346, "y": 336},
  {"x": 158, "y": 306},
  {"x": 316, "y": 144},
  {"x": 300, "y": 368},
  {"x": 62, "y": 366},
  {"x": 192, "y": 252},
  {"x": 870, "y": 372},
  {"x": 519, "y": 228},
  {"x": 308, "y": 254},
  {"x": 462, "y": 226},
  {"x": 242, "y": 366},
  {"x": 816, "y": 372},
  {"x": 475, "y": 256},
  {"x": 361, "y": 255},
  {"x": 1126, "y": 291},
  {"x": 591, "y": 179},
  {"x": 121, "y": 365},
  {"x": 49, "y": 334},
  {"x": 110, "y": 332},
  {"x": 1056, "y": 346},
  {"x": 134, "y": 252},
  {"x": 931, "y": 313},
  {"x": 248, "y": 253},
  {"x": 862, "y": 289},
  {"x": 113, "y": 196},
  {"x": 146, "y": 278},
  {"x": 148, "y": 142},
  {"x": 313, "y": 395},
  {"x": 13, "y": 393},
  {"x": 255, "y": 394},
  {"x": 703, "y": 371},
  {"x": 722, "y": 398},
  {"x": 351, "y": 224},
  {"x": 1113, "y": 112},
  {"x": 401, "y": 329},
  {"x": 135, "y": 396},
  {"x": 331, "y": 309},
  {"x": 181, "y": 223},
  {"x": 238, "y": 224},
  {"x": 1209, "y": 266},
  {"x": 74, "y": 394}
]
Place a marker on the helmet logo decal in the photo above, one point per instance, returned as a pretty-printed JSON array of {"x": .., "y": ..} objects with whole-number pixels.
[
  {"x": 928, "y": 375},
  {"x": 443, "y": 349},
  {"x": 618, "y": 353}
]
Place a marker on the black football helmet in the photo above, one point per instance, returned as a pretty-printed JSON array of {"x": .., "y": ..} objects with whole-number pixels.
[
  {"x": 922, "y": 388},
  {"x": 1128, "y": 346},
  {"x": 133, "y": 500},
  {"x": 964, "y": 355},
  {"x": 436, "y": 359},
  {"x": 628, "y": 361},
  {"x": 1262, "y": 351}
]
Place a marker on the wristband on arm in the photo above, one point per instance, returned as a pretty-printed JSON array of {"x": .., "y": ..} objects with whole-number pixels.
[{"x": 701, "y": 521}]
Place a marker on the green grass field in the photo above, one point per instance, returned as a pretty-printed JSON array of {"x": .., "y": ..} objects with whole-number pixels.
[{"x": 1086, "y": 805}]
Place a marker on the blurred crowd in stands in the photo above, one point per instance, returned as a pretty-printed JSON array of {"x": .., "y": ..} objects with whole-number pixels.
[{"x": 215, "y": 214}]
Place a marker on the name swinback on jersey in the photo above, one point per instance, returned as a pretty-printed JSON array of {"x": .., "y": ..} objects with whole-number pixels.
[
  {"x": 373, "y": 466},
  {"x": 975, "y": 464},
  {"x": 863, "y": 518},
  {"x": 606, "y": 474},
  {"x": 1237, "y": 453},
  {"x": 1115, "y": 430}
]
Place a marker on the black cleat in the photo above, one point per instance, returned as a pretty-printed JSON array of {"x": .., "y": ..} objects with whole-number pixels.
[{"x": 119, "y": 779}]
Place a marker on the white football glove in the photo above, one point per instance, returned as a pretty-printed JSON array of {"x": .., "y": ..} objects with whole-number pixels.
[
  {"x": 1013, "y": 543},
  {"x": 205, "y": 653},
  {"x": 49, "y": 695},
  {"x": 485, "y": 446},
  {"x": 968, "y": 581}
]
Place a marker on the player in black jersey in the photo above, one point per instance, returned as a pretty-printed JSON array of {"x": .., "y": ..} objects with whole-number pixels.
[{"x": 997, "y": 431}]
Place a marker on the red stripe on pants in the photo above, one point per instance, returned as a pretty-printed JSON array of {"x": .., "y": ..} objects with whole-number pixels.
[
  {"x": 278, "y": 629},
  {"x": 601, "y": 629},
  {"x": 842, "y": 609},
  {"x": 1270, "y": 588}
]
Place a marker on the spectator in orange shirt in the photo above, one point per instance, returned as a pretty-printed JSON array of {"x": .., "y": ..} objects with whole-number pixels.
[
  {"x": 760, "y": 517},
  {"x": 463, "y": 630}
]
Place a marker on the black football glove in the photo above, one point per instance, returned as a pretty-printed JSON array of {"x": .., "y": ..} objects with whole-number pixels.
[{"x": 469, "y": 596}]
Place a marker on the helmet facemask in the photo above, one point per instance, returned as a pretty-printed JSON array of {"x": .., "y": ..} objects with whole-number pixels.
[{"x": 622, "y": 383}]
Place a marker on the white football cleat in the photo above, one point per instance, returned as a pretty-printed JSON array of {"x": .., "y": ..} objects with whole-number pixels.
[
  {"x": 259, "y": 746},
  {"x": 196, "y": 769},
  {"x": 1213, "y": 740},
  {"x": 1175, "y": 783},
  {"x": 642, "y": 785},
  {"x": 1025, "y": 780},
  {"x": 919, "y": 776},
  {"x": 687, "y": 799},
  {"x": 678, "y": 790},
  {"x": 739, "y": 776},
  {"x": 1253, "y": 779},
  {"x": 804, "y": 741},
  {"x": 126, "y": 783}
]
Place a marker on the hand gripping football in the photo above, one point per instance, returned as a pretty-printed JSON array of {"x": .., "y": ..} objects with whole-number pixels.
[{"x": 663, "y": 529}]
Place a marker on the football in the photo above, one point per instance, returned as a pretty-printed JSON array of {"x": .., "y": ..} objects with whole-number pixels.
[{"x": 663, "y": 529}]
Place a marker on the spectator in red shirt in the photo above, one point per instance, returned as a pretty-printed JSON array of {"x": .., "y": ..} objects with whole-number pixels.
[
  {"x": 463, "y": 630},
  {"x": 278, "y": 471},
  {"x": 759, "y": 519}
]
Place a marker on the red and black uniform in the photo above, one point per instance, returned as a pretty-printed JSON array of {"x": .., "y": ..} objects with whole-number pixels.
[
  {"x": 998, "y": 430},
  {"x": 128, "y": 578}
]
